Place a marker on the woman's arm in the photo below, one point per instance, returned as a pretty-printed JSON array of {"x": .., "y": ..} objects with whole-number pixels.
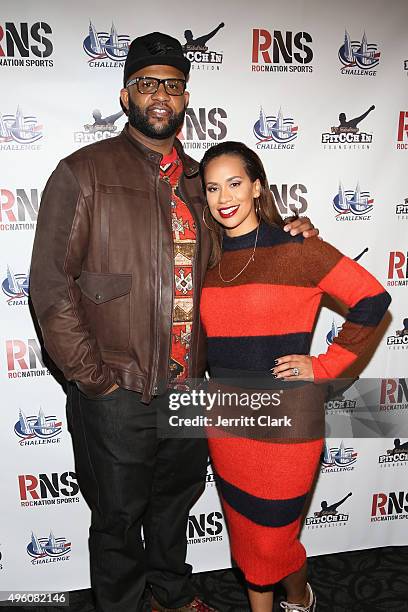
[{"x": 344, "y": 279}]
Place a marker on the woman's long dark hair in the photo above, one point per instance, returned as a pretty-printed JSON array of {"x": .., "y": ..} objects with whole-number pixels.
[{"x": 255, "y": 170}]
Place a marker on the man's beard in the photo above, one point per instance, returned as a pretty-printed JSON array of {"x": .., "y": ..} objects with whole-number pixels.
[{"x": 159, "y": 131}]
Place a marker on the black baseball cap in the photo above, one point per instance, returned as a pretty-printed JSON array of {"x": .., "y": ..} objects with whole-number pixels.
[{"x": 155, "y": 49}]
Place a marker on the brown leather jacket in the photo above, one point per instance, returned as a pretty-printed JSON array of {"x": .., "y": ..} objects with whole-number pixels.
[{"x": 102, "y": 267}]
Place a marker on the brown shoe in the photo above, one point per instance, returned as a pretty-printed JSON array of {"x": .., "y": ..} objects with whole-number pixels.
[{"x": 197, "y": 605}]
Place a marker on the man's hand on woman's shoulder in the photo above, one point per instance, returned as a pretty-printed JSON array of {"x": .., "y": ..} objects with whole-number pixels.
[{"x": 301, "y": 225}]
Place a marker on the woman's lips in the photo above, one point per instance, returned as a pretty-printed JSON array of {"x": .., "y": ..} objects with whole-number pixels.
[{"x": 225, "y": 213}]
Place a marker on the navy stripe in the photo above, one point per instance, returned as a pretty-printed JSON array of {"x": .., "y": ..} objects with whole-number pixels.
[
  {"x": 255, "y": 352},
  {"x": 369, "y": 311},
  {"x": 269, "y": 235},
  {"x": 260, "y": 588},
  {"x": 265, "y": 512}
]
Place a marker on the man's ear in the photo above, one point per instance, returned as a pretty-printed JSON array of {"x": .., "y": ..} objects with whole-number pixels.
[
  {"x": 124, "y": 100},
  {"x": 186, "y": 98}
]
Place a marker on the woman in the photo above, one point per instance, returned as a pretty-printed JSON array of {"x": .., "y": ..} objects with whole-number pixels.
[{"x": 258, "y": 307}]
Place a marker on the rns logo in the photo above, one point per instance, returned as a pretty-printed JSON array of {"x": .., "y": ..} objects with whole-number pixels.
[
  {"x": 394, "y": 393},
  {"x": 24, "y": 359},
  {"x": 205, "y": 528},
  {"x": 391, "y": 505},
  {"x": 47, "y": 487},
  {"x": 203, "y": 127},
  {"x": 19, "y": 209},
  {"x": 402, "y": 137},
  {"x": 397, "y": 268},
  {"x": 22, "y": 41},
  {"x": 289, "y": 199},
  {"x": 279, "y": 51}
]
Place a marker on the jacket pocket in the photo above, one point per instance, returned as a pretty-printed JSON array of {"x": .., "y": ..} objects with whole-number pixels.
[{"x": 106, "y": 300}]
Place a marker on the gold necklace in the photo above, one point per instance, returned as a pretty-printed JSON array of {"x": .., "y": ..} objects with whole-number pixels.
[{"x": 246, "y": 265}]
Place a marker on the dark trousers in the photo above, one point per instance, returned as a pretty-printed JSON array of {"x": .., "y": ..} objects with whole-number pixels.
[{"x": 131, "y": 479}]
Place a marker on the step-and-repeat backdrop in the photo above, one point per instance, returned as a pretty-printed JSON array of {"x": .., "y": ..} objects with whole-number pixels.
[{"x": 319, "y": 89}]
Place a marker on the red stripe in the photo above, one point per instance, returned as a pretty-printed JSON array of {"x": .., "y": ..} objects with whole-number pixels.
[
  {"x": 332, "y": 363},
  {"x": 267, "y": 470},
  {"x": 350, "y": 283},
  {"x": 264, "y": 554},
  {"x": 258, "y": 309}
]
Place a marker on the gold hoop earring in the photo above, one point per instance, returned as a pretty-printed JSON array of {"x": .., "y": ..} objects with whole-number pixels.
[
  {"x": 204, "y": 221},
  {"x": 257, "y": 208}
]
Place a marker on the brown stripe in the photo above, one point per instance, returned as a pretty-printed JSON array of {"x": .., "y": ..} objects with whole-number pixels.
[
  {"x": 318, "y": 258},
  {"x": 354, "y": 337},
  {"x": 302, "y": 405},
  {"x": 285, "y": 264}
]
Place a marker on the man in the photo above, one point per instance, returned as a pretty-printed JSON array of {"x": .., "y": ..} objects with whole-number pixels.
[
  {"x": 199, "y": 43},
  {"x": 118, "y": 264},
  {"x": 352, "y": 123}
]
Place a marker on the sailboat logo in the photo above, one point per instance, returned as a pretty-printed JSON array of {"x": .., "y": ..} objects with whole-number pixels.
[
  {"x": 20, "y": 128},
  {"x": 48, "y": 547},
  {"x": 40, "y": 426},
  {"x": 352, "y": 202},
  {"x": 359, "y": 53},
  {"x": 339, "y": 456},
  {"x": 275, "y": 127},
  {"x": 101, "y": 45},
  {"x": 15, "y": 286}
]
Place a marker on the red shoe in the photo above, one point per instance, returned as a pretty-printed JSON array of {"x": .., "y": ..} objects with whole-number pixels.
[{"x": 197, "y": 605}]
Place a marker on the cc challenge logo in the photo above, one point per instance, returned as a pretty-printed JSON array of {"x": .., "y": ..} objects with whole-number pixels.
[
  {"x": 281, "y": 51},
  {"x": 338, "y": 458},
  {"x": 358, "y": 57},
  {"x": 100, "y": 129},
  {"x": 26, "y": 44},
  {"x": 15, "y": 287},
  {"x": 352, "y": 204},
  {"x": 106, "y": 49},
  {"x": 48, "y": 550},
  {"x": 37, "y": 430},
  {"x": 275, "y": 131},
  {"x": 19, "y": 131},
  {"x": 347, "y": 135},
  {"x": 332, "y": 333},
  {"x": 201, "y": 54},
  {"x": 203, "y": 127}
]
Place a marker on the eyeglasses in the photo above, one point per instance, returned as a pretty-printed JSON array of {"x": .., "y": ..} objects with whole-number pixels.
[{"x": 149, "y": 85}]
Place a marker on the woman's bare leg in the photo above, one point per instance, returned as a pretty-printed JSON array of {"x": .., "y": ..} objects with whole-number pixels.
[
  {"x": 295, "y": 586},
  {"x": 261, "y": 602}
]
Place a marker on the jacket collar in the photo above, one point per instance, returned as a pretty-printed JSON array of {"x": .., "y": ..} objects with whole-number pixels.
[{"x": 190, "y": 166}]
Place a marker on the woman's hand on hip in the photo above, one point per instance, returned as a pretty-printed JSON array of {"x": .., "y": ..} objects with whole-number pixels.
[{"x": 294, "y": 367}]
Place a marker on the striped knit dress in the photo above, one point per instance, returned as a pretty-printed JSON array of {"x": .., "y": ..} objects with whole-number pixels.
[{"x": 269, "y": 311}]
